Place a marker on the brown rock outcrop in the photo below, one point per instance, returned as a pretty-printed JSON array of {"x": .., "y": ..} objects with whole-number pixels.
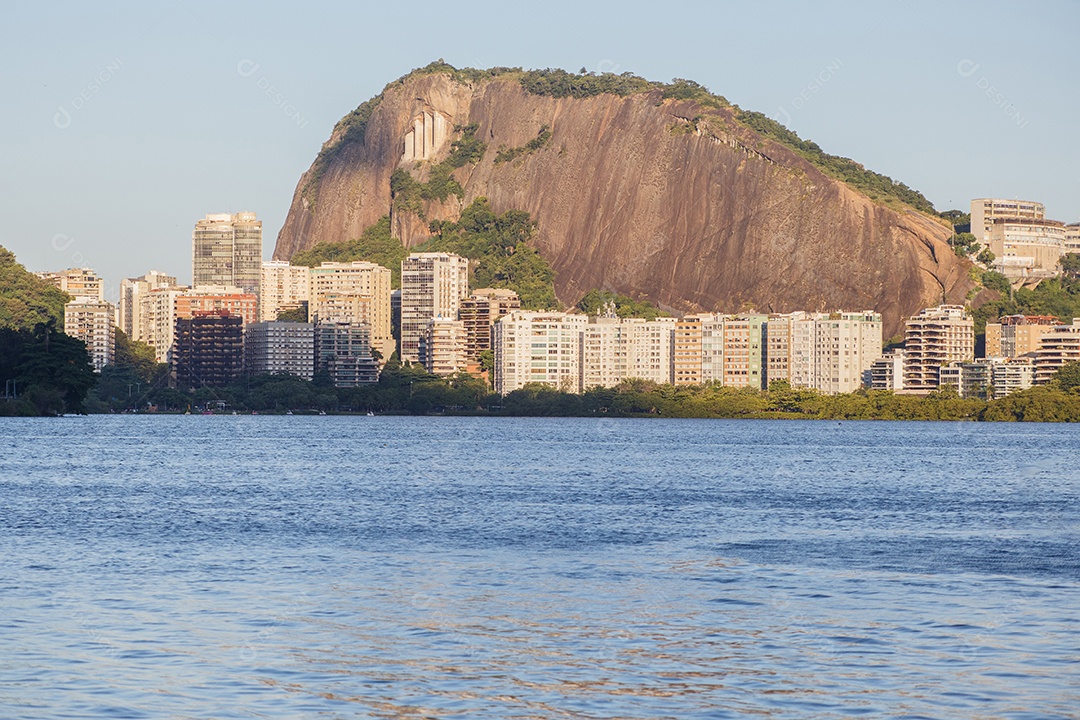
[{"x": 645, "y": 197}]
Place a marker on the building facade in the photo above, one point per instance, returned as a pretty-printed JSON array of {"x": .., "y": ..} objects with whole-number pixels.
[
  {"x": 227, "y": 250},
  {"x": 132, "y": 292},
  {"x": 935, "y": 337},
  {"x": 92, "y": 321},
  {"x": 208, "y": 350},
  {"x": 157, "y": 308},
  {"x": 1027, "y": 248},
  {"x": 984, "y": 211},
  {"x": 275, "y": 347},
  {"x": 1014, "y": 336},
  {"x": 343, "y": 351},
  {"x": 887, "y": 372},
  {"x": 354, "y": 292},
  {"x": 210, "y": 298},
  {"x": 282, "y": 286},
  {"x": 538, "y": 347},
  {"x": 79, "y": 283},
  {"x": 1057, "y": 348},
  {"x": 615, "y": 349},
  {"x": 432, "y": 285},
  {"x": 479, "y": 312},
  {"x": 443, "y": 347}
]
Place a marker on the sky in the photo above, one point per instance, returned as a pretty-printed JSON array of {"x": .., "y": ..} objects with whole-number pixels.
[{"x": 122, "y": 123}]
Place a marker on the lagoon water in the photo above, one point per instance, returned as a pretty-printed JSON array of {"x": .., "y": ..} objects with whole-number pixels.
[{"x": 340, "y": 567}]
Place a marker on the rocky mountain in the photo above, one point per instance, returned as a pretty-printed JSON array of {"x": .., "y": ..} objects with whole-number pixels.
[{"x": 657, "y": 191}]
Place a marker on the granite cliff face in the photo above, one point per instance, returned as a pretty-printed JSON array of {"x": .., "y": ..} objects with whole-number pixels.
[{"x": 651, "y": 197}]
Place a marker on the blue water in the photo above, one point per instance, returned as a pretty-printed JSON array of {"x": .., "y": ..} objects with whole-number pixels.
[{"x": 239, "y": 567}]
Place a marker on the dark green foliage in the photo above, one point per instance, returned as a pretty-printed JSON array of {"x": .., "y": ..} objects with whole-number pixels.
[
  {"x": 1059, "y": 297},
  {"x": 985, "y": 256},
  {"x": 1046, "y": 403},
  {"x": 530, "y": 147},
  {"x": 498, "y": 251},
  {"x": 1068, "y": 377},
  {"x": 594, "y": 302},
  {"x": 26, "y": 299},
  {"x": 996, "y": 281},
  {"x": 130, "y": 381},
  {"x": 52, "y": 371},
  {"x": 960, "y": 220},
  {"x": 466, "y": 149},
  {"x": 875, "y": 185},
  {"x": 376, "y": 245},
  {"x": 964, "y": 244},
  {"x": 556, "y": 82},
  {"x": 1070, "y": 265},
  {"x": 298, "y": 314},
  {"x": 407, "y": 194}
]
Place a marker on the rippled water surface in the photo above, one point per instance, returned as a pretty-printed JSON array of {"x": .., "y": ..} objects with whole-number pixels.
[{"x": 238, "y": 567}]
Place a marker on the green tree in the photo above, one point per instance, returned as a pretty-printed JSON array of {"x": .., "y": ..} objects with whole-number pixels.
[
  {"x": 1070, "y": 265},
  {"x": 1068, "y": 376}
]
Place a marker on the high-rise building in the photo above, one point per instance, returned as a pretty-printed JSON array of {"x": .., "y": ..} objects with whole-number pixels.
[
  {"x": 1011, "y": 375},
  {"x": 615, "y": 349},
  {"x": 77, "y": 282},
  {"x": 887, "y": 372},
  {"x": 354, "y": 292},
  {"x": 744, "y": 351},
  {"x": 158, "y": 310},
  {"x": 343, "y": 350},
  {"x": 275, "y": 346},
  {"x": 211, "y": 298},
  {"x": 91, "y": 320},
  {"x": 686, "y": 360},
  {"x": 1027, "y": 248},
  {"x": 935, "y": 337},
  {"x": 282, "y": 287},
  {"x": 479, "y": 312},
  {"x": 538, "y": 347},
  {"x": 984, "y": 211},
  {"x": 443, "y": 347},
  {"x": 227, "y": 250},
  {"x": 1017, "y": 335},
  {"x": 432, "y": 285},
  {"x": 1057, "y": 348},
  {"x": 132, "y": 291},
  {"x": 208, "y": 350}
]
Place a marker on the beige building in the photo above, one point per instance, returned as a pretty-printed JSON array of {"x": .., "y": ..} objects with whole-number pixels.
[
  {"x": 1011, "y": 375},
  {"x": 443, "y": 347},
  {"x": 227, "y": 250},
  {"x": 1057, "y": 348},
  {"x": 1017, "y": 335},
  {"x": 91, "y": 320},
  {"x": 538, "y": 347},
  {"x": 686, "y": 358},
  {"x": 479, "y": 312},
  {"x": 984, "y": 211},
  {"x": 615, "y": 349},
  {"x": 432, "y": 285},
  {"x": 1072, "y": 238},
  {"x": 79, "y": 283},
  {"x": 935, "y": 337},
  {"x": 1027, "y": 248},
  {"x": 354, "y": 292},
  {"x": 133, "y": 292},
  {"x": 216, "y": 300},
  {"x": 157, "y": 308},
  {"x": 282, "y": 286}
]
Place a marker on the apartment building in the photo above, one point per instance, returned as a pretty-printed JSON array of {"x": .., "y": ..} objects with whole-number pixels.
[
  {"x": 282, "y": 286},
  {"x": 1027, "y": 248},
  {"x": 936, "y": 337},
  {"x": 91, "y": 320},
  {"x": 443, "y": 347},
  {"x": 77, "y": 282},
  {"x": 1013, "y": 336},
  {"x": 227, "y": 250},
  {"x": 355, "y": 292},
  {"x": 208, "y": 350},
  {"x": 343, "y": 350},
  {"x": 133, "y": 321},
  {"x": 887, "y": 372},
  {"x": 1057, "y": 348},
  {"x": 984, "y": 211},
  {"x": 615, "y": 349},
  {"x": 432, "y": 285},
  {"x": 273, "y": 347},
  {"x": 479, "y": 312},
  {"x": 218, "y": 299},
  {"x": 538, "y": 347}
]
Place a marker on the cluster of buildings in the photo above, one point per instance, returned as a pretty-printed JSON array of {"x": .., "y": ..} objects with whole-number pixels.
[
  {"x": 344, "y": 319},
  {"x": 1024, "y": 242}
]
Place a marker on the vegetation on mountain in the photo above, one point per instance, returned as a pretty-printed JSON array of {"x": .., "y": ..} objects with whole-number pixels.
[
  {"x": 511, "y": 154},
  {"x": 594, "y": 302},
  {"x": 25, "y": 299},
  {"x": 1059, "y": 297},
  {"x": 376, "y": 245}
]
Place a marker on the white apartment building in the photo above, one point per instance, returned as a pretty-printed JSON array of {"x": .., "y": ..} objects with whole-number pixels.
[
  {"x": 354, "y": 292},
  {"x": 616, "y": 349},
  {"x": 936, "y": 337},
  {"x": 443, "y": 346},
  {"x": 91, "y": 320},
  {"x": 132, "y": 292},
  {"x": 887, "y": 372},
  {"x": 227, "y": 250},
  {"x": 282, "y": 286},
  {"x": 538, "y": 347},
  {"x": 1057, "y": 348},
  {"x": 432, "y": 285},
  {"x": 157, "y": 308}
]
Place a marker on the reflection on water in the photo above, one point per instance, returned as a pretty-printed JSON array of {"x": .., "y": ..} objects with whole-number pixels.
[{"x": 400, "y": 567}]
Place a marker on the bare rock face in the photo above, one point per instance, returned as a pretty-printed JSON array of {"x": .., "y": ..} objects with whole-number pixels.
[{"x": 642, "y": 196}]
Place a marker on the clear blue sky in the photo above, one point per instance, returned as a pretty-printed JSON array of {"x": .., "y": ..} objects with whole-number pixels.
[{"x": 124, "y": 123}]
